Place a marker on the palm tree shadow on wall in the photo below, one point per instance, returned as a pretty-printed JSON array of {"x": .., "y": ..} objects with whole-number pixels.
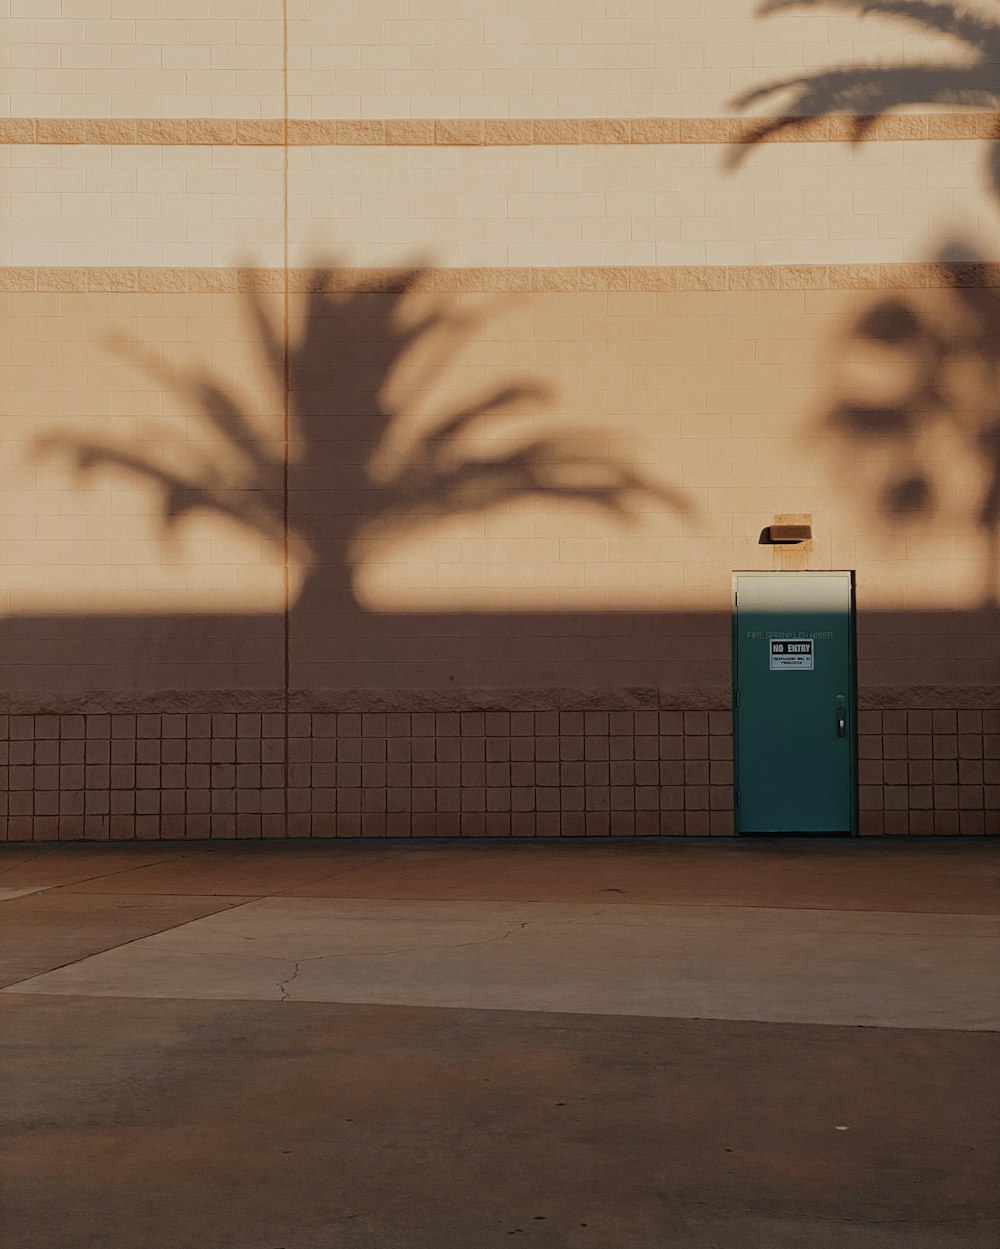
[
  {"x": 918, "y": 393},
  {"x": 945, "y": 359},
  {"x": 868, "y": 92},
  {"x": 348, "y": 487}
]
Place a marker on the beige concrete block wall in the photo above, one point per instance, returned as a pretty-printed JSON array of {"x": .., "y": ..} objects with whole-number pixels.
[
  {"x": 293, "y": 545},
  {"x": 110, "y": 401},
  {"x": 674, "y": 204},
  {"x": 508, "y": 58},
  {"x": 164, "y": 207},
  {"x": 210, "y": 58},
  {"x": 594, "y": 629},
  {"x": 713, "y": 411},
  {"x": 809, "y": 203},
  {"x": 621, "y": 452}
]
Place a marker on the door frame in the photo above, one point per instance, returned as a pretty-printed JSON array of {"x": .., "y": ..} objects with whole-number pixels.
[{"x": 852, "y": 651}]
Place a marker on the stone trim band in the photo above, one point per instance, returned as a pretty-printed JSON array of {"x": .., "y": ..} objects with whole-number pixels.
[
  {"x": 494, "y": 132},
  {"x": 326, "y": 702},
  {"x": 456, "y": 281}
]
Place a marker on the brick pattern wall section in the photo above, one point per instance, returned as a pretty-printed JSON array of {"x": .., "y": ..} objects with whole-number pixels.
[
  {"x": 508, "y": 58},
  {"x": 393, "y": 58},
  {"x": 929, "y": 772},
  {"x": 191, "y": 58},
  {"x": 79, "y": 204},
  {"x": 832, "y": 203},
  {"x": 125, "y": 776},
  {"x": 473, "y": 774},
  {"x": 575, "y": 204}
]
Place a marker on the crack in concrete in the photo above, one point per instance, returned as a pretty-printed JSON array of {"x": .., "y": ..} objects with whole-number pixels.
[
  {"x": 410, "y": 949},
  {"x": 297, "y": 964},
  {"x": 283, "y": 984},
  {"x": 316, "y": 958}
]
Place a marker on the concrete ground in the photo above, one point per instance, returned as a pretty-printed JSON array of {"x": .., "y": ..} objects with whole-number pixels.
[{"x": 693, "y": 1045}]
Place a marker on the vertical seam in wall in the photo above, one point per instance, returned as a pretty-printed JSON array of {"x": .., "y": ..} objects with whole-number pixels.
[{"x": 286, "y": 406}]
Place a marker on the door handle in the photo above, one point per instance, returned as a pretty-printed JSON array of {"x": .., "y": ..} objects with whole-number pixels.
[{"x": 840, "y": 711}]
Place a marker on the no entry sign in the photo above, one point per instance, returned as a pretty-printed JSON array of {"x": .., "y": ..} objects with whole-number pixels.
[{"x": 791, "y": 654}]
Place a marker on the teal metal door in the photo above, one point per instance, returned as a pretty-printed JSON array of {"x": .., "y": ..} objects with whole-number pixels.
[{"x": 794, "y": 702}]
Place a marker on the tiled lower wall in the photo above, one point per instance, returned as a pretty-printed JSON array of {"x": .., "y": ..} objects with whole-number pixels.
[
  {"x": 471, "y": 773},
  {"x": 448, "y": 774},
  {"x": 927, "y": 771}
]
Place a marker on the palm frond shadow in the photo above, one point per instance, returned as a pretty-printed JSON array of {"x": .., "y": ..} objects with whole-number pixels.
[
  {"x": 943, "y": 369},
  {"x": 868, "y": 92},
  {"x": 342, "y": 482},
  {"x": 888, "y": 441},
  {"x": 246, "y": 486}
]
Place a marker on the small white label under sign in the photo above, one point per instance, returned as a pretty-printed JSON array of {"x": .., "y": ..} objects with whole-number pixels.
[{"x": 791, "y": 653}]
